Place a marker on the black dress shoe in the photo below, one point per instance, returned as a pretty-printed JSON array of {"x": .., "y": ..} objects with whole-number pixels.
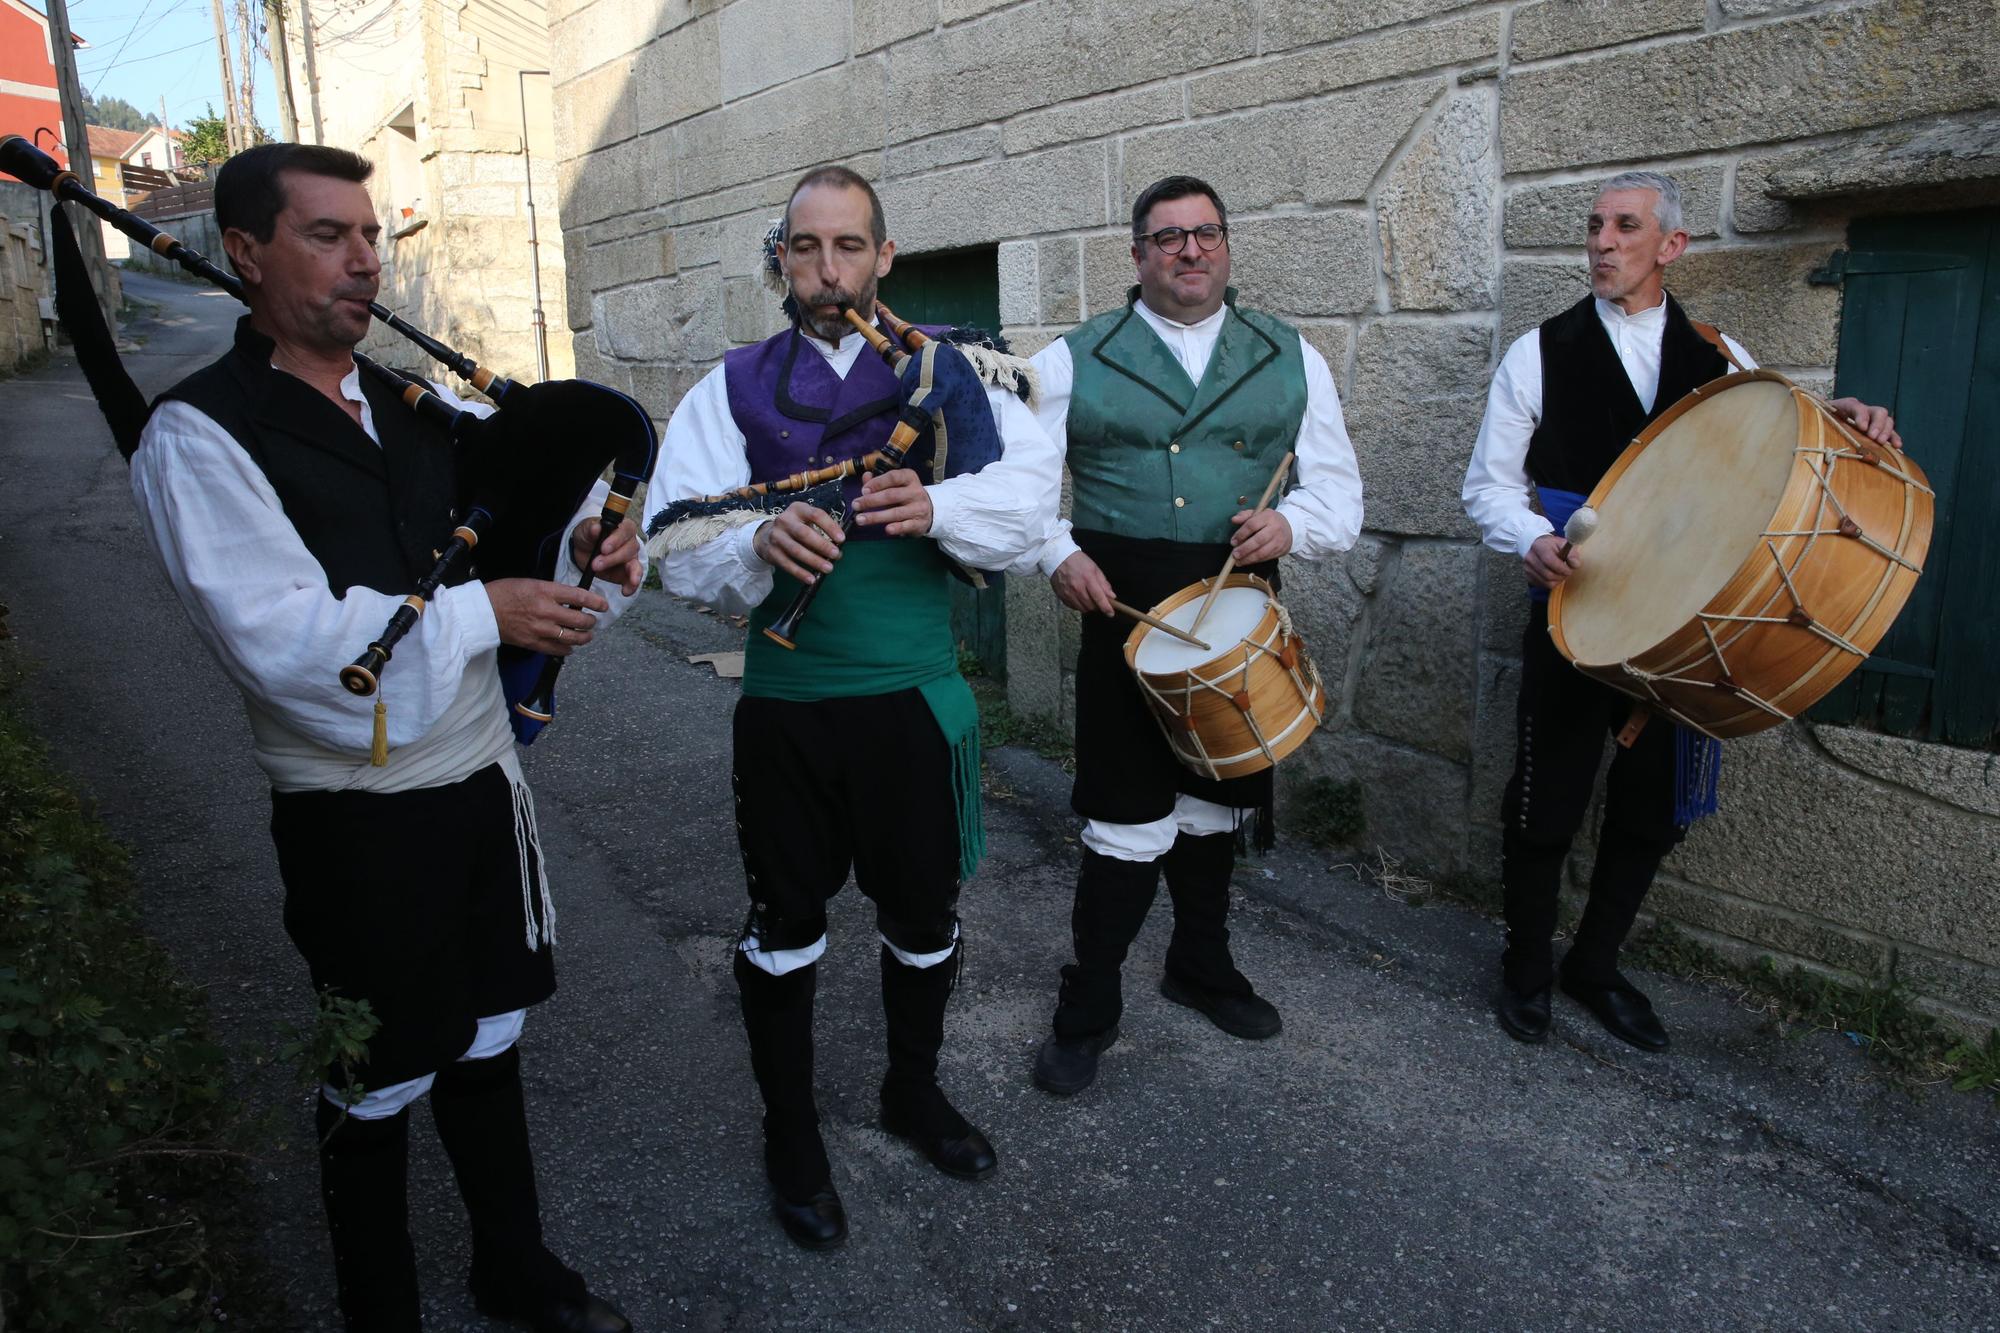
[
  {"x": 588, "y": 1315},
  {"x": 1066, "y": 1066},
  {"x": 1625, "y": 1013},
  {"x": 1524, "y": 1016},
  {"x": 1248, "y": 1016},
  {"x": 820, "y": 1223},
  {"x": 968, "y": 1156}
]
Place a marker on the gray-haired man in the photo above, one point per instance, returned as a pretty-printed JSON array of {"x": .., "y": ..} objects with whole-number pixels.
[{"x": 1566, "y": 400}]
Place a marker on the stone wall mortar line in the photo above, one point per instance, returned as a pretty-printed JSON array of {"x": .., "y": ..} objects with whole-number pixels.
[
  {"x": 1808, "y": 729},
  {"x": 1792, "y": 916},
  {"x": 1643, "y": 44}
]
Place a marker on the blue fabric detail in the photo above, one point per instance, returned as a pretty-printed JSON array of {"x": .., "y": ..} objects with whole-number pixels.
[
  {"x": 1697, "y": 774},
  {"x": 955, "y": 396},
  {"x": 520, "y": 673},
  {"x": 1557, "y": 506}
]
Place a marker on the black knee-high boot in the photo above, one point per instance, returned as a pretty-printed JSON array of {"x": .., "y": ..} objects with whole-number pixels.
[
  {"x": 1198, "y": 871},
  {"x": 913, "y": 1105},
  {"x": 777, "y": 1015},
  {"x": 1112, "y": 899},
  {"x": 482, "y": 1121},
  {"x": 364, "y": 1184},
  {"x": 1531, "y": 884}
]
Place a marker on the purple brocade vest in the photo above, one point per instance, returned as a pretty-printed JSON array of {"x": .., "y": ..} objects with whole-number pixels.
[{"x": 796, "y": 415}]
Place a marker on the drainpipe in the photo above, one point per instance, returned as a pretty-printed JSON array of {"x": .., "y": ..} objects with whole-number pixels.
[{"x": 541, "y": 328}]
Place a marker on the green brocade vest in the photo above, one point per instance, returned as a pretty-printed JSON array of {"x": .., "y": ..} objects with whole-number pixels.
[{"x": 1153, "y": 455}]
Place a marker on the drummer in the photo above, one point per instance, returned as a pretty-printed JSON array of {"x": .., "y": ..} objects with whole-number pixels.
[
  {"x": 1175, "y": 409},
  {"x": 1567, "y": 399}
]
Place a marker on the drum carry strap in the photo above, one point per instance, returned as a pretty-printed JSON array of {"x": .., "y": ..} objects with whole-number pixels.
[{"x": 1715, "y": 339}]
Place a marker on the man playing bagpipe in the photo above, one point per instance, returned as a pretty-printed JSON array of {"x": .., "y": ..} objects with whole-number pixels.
[
  {"x": 292, "y": 507},
  {"x": 857, "y": 745},
  {"x": 1566, "y": 401},
  {"x": 1174, "y": 409}
]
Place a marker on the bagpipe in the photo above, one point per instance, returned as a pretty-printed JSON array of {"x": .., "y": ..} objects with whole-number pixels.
[
  {"x": 944, "y": 421},
  {"x": 524, "y": 469}
]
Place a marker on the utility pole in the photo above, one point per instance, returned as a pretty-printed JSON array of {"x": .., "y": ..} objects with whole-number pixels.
[
  {"x": 232, "y": 128},
  {"x": 312, "y": 70},
  {"x": 76, "y": 141},
  {"x": 281, "y": 65}
]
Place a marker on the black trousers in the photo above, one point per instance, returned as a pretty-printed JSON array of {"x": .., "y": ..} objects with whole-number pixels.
[
  {"x": 412, "y": 901},
  {"x": 829, "y": 785},
  {"x": 1562, "y": 721}
]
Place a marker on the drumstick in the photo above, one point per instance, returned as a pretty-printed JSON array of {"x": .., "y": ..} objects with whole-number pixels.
[
  {"x": 1577, "y": 531},
  {"x": 1284, "y": 465},
  {"x": 1159, "y": 624}
]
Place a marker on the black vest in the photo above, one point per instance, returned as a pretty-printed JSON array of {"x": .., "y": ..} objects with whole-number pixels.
[
  {"x": 1589, "y": 411},
  {"x": 372, "y": 516}
]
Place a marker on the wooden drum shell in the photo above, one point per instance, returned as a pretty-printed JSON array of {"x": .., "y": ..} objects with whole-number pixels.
[
  {"x": 1198, "y": 708},
  {"x": 1808, "y": 600}
]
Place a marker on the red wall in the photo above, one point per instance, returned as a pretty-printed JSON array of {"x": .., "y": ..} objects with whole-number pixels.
[{"x": 24, "y": 58}]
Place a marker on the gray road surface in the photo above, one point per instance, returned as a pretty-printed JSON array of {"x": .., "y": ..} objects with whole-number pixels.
[{"x": 1390, "y": 1162}]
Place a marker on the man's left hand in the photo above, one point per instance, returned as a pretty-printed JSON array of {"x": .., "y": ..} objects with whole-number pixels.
[
  {"x": 1874, "y": 422},
  {"x": 896, "y": 502},
  {"x": 618, "y": 561},
  {"x": 1260, "y": 536}
]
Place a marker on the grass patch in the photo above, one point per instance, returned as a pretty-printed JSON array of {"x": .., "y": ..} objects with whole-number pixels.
[
  {"x": 1877, "y": 1015},
  {"x": 1328, "y": 813},
  {"x": 118, "y": 1145},
  {"x": 999, "y": 724}
]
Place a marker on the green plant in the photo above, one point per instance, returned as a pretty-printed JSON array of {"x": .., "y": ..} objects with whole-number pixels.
[
  {"x": 1977, "y": 1067},
  {"x": 114, "y": 1128},
  {"x": 1329, "y": 813},
  {"x": 338, "y": 1041}
]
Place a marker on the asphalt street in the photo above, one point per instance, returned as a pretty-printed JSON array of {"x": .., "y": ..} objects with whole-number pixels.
[{"x": 1391, "y": 1161}]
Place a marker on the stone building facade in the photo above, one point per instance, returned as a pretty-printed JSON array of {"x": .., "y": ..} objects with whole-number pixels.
[
  {"x": 434, "y": 95},
  {"x": 1407, "y": 181},
  {"x": 24, "y": 277}
]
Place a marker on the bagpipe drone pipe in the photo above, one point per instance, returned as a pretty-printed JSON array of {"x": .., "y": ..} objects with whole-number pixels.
[{"x": 523, "y": 470}]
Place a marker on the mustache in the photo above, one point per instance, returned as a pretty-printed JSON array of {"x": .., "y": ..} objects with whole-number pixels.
[{"x": 831, "y": 296}]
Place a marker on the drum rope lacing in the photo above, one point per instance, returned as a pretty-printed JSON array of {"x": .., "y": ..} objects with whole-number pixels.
[
  {"x": 1820, "y": 459},
  {"x": 1313, "y": 694}
]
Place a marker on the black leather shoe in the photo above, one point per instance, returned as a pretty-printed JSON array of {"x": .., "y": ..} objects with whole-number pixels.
[
  {"x": 1248, "y": 1016},
  {"x": 969, "y": 1156},
  {"x": 1625, "y": 1013},
  {"x": 1066, "y": 1066},
  {"x": 820, "y": 1223},
  {"x": 1524, "y": 1016},
  {"x": 589, "y": 1315}
]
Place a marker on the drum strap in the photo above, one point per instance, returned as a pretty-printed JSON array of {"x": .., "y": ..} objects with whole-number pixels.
[{"x": 1715, "y": 339}]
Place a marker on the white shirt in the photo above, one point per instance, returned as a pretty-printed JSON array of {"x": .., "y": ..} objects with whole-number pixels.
[
  {"x": 1324, "y": 509},
  {"x": 990, "y": 519},
  {"x": 1497, "y": 488},
  {"x": 260, "y": 602}
]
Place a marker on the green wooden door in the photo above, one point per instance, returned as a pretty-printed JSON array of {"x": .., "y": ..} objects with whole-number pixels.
[
  {"x": 1920, "y": 334},
  {"x": 962, "y": 287}
]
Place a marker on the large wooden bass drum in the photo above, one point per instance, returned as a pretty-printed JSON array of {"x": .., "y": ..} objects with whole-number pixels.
[{"x": 1750, "y": 550}]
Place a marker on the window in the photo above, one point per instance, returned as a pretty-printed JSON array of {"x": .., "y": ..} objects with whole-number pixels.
[
  {"x": 1920, "y": 334},
  {"x": 145, "y": 159}
]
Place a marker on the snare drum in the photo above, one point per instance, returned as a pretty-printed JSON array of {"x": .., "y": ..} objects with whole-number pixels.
[{"x": 1245, "y": 702}]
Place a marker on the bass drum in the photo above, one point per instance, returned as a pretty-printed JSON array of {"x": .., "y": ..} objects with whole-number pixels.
[{"x": 1751, "y": 549}]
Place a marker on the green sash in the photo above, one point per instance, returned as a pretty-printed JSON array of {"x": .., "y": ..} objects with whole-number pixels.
[{"x": 880, "y": 623}]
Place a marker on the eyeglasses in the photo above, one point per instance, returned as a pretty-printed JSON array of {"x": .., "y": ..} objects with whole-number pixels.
[{"x": 1172, "y": 240}]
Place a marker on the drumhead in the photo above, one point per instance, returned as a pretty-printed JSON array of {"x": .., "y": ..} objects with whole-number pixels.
[
  {"x": 1679, "y": 521},
  {"x": 1230, "y": 621}
]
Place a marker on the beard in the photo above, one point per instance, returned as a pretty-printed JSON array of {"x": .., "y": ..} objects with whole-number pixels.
[{"x": 832, "y": 329}]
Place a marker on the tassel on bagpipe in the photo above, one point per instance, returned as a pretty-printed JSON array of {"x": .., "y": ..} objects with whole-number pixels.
[{"x": 528, "y": 465}]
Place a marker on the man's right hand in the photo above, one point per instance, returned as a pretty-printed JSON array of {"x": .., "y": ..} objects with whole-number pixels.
[
  {"x": 803, "y": 541},
  {"x": 544, "y": 617},
  {"x": 1545, "y": 567},
  {"x": 1081, "y": 586}
]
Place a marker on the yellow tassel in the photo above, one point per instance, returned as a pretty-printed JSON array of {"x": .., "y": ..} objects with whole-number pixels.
[{"x": 379, "y": 756}]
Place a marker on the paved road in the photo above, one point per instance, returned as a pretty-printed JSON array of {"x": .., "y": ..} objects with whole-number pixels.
[{"x": 1390, "y": 1161}]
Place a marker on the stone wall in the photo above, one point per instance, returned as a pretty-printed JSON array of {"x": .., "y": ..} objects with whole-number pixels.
[
  {"x": 1407, "y": 181},
  {"x": 434, "y": 100},
  {"x": 24, "y": 280},
  {"x": 196, "y": 230}
]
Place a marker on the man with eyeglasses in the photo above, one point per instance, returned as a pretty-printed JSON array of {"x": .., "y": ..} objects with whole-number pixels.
[{"x": 1174, "y": 408}]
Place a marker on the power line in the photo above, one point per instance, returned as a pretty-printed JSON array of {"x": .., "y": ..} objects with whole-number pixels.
[{"x": 140, "y": 60}]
